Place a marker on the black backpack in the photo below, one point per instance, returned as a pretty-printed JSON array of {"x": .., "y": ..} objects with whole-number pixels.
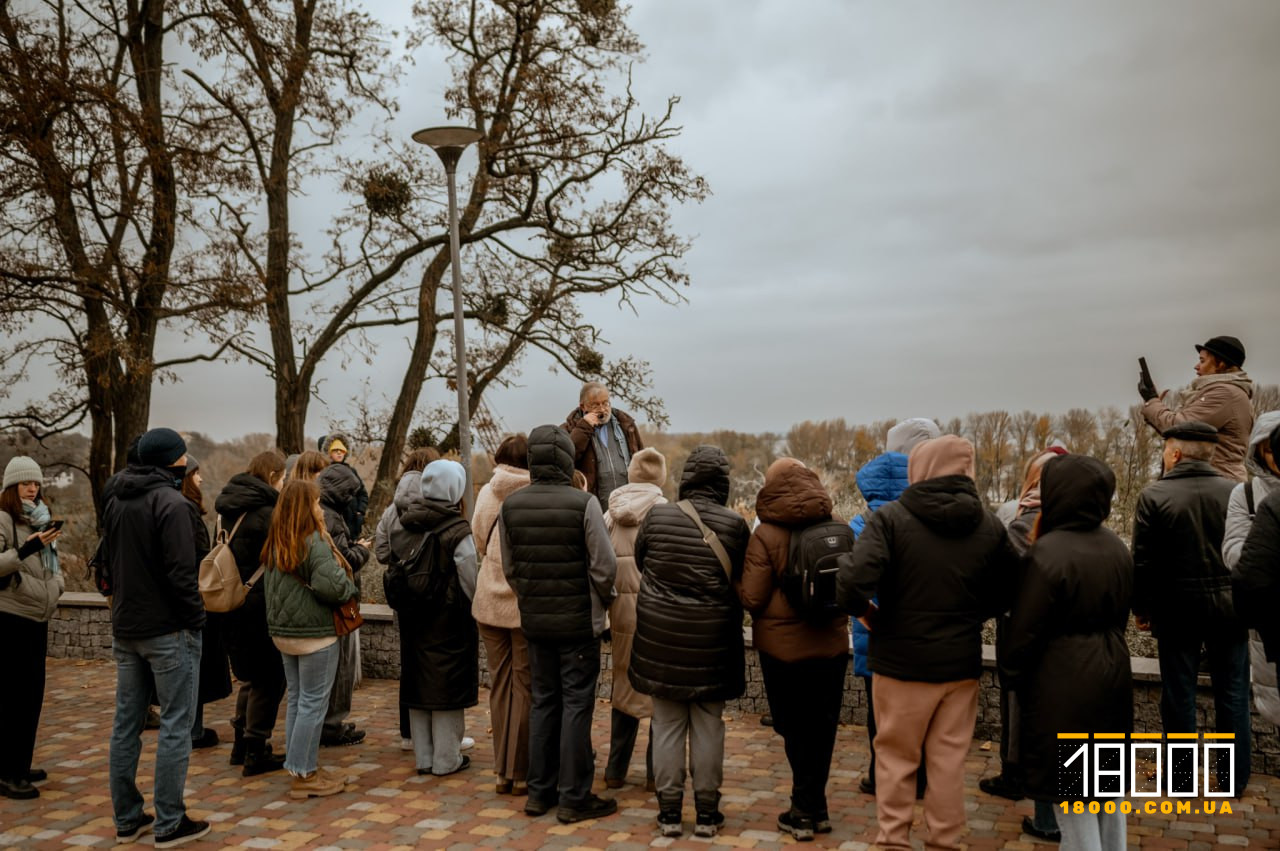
[
  {"x": 425, "y": 573},
  {"x": 809, "y": 581}
]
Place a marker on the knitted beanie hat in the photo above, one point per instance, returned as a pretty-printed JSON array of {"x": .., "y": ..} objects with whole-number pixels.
[
  {"x": 160, "y": 447},
  {"x": 647, "y": 466},
  {"x": 22, "y": 469}
]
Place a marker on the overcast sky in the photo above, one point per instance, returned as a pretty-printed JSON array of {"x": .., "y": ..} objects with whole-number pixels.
[{"x": 921, "y": 209}]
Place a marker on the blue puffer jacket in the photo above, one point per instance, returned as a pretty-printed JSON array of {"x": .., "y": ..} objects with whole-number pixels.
[{"x": 881, "y": 480}]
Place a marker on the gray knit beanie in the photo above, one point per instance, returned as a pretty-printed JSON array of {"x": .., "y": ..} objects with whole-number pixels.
[
  {"x": 22, "y": 469},
  {"x": 907, "y": 434},
  {"x": 647, "y": 466}
]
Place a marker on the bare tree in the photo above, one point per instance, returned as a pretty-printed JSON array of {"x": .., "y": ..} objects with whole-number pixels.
[{"x": 95, "y": 154}]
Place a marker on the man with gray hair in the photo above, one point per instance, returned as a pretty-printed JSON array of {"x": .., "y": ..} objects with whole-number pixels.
[
  {"x": 1182, "y": 591},
  {"x": 604, "y": 440}
]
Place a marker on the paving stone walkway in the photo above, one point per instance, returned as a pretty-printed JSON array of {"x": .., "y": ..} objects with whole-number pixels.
[{"x": 391, "y": 807}]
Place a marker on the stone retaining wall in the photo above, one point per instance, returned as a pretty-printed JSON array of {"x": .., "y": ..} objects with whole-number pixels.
[{"x": 82, "y": 630}]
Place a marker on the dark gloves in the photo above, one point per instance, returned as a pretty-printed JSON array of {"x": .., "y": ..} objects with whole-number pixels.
[
  {"x": 1146, "y": 390},
  {"x": 30, "y": 547}
]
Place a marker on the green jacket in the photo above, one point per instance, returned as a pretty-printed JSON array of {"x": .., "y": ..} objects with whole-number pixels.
[{"x": 300, "y": 605}]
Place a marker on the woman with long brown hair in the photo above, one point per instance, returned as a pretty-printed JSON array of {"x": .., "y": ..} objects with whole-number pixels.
[
  {"x": 30, "y": 583},
  {"x": 304, "y": 581}
]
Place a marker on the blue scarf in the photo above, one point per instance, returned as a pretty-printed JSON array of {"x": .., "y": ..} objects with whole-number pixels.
[{"x": 38, "y": 517}]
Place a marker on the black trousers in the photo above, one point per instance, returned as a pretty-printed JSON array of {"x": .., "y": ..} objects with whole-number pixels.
[
  {"x": 622, "y": 744},
  {"x": 25, "y": 643},
  {"x": 804, "y": 700},
  {"x": 257, "y": 665},
  {"x": 563, "y": 682}
]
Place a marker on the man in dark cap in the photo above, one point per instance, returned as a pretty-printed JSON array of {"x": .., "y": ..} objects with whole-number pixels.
[
  {"x": 1182, "y": 592},
  {"x": 156, "y": 618},
  {"x": 1220, "y": 396}
]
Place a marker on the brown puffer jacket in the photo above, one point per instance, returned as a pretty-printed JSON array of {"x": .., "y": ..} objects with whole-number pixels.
[
  {"x": 792, "y": 497},
  {"x": 1222, "y": 401},
  {"x": 628, "y": 506}
]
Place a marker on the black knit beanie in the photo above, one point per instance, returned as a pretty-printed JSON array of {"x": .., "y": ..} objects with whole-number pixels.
[{"x": 160, "y": 447}]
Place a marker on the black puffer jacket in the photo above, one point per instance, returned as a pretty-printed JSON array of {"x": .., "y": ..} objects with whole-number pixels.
[
  {"x": 942, "y": 565},
  {"x": 688, "y": 643},
  {"x": 253, "y": 654},
  {"x": 556, "y": 552},
  {"x": 340, "y": 488},
  {"x": 1180, "y": 580},
  {"x": 353, "y": 512},
  {"x": 439, "y": 642},
  {"x": 150, "y": 545},
  {"x": 1065, "y": 655}
]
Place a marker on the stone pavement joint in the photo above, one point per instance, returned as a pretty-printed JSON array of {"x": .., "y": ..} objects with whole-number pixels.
[{"x": 391, "y": 807}]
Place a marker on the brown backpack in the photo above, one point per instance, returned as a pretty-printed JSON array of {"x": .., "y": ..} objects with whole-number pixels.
[{"x": 219, "y": 580}]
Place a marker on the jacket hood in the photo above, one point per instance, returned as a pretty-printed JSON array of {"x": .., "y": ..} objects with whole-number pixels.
[
  {"x": 245, "y": 493},
  {"x": 444, "y": 481},
  {"x": 423, "y": 514},
  {"x": 339, "y": 484},
  {"x": 1075, "y": 493},
  {"x": 706, "y": 475},
  {"x": 1239, "y": 379},
  {"x": 630, "y": 504},
  {"x": 792, "y": 495},
  {"x": 324, "y": 442},
  {"x": 550, "y": 456},
  {"x": 408, "y": 489},
  {"x": 948, "y": 455},
  {"x": 507, "y": 480},
  {"x": 949, "y": 505},
  {"x": 1262, "y": 429},
  {"x": 909, "y": 434},
  {"x": 133, "y": 482},
  {"x": 883, "y": 478}
]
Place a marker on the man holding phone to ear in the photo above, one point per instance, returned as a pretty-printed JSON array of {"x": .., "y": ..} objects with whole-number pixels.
[{"x": 1220, "y": 395}]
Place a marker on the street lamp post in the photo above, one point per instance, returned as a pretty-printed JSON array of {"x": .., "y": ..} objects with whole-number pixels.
[{"x": 449, "y": 143}]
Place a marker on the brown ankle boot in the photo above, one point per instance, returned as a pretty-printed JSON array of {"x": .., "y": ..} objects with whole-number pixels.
[{"x": 318, "y": 784}]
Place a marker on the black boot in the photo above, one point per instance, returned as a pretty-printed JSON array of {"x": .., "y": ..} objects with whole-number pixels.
[
  {"x": 258, "y": 758},
  {"x": 237, "y": 747},
  {"x": 709, "y": 818}
]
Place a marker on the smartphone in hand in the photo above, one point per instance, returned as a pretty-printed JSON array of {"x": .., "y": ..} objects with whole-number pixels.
[{"x": 56, "y": 526}]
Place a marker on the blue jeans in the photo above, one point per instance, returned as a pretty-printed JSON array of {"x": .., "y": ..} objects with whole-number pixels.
[
  {"x": 310, "y": 678},
  {"x": 173, "y": 660},
  {"x": 564, "y": 694},
  {"x": 1229, "y": 673}
]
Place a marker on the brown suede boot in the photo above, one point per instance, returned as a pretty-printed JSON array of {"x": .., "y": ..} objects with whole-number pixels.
[{"x": 318, "y": 784}]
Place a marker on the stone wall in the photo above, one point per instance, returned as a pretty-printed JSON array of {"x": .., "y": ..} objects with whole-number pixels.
[{"x": 82, "y": 630}]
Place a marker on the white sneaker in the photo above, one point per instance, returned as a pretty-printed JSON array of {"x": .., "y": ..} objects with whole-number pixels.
[
  {"x": 406, "y": 744},
  {"x": 467, "y": 743}
]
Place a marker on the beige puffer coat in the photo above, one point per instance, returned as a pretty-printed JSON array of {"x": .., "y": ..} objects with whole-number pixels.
[
  {"x": 494, "y": 603},
  {"x": 628, "y": 506},
  {"x": 35, "y": 595}
]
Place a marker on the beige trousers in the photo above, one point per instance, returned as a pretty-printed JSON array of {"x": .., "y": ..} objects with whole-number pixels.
[
  {"x": 509, "y": 700},
  {"x": 939, "y": 717}
]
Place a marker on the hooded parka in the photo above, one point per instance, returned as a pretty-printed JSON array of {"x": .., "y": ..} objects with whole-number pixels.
[
  {"x": 1065, "y": 655},
  {"x": 249, "y": 645},
  {"x": 792, "y": 497},
  {"x": 628, "y": 506},
  {"x": 941, "y": 565},
  {"x": 340, "y": 489},
  {"x": 688, "y": 644},
  {"x": 439, "y": 643},
  {"x": 1224, "y": 401},
  {"x": 34, "y": 589}
]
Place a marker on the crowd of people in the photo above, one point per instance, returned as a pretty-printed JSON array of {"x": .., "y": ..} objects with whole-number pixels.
[{"x": 572, "y": 539}]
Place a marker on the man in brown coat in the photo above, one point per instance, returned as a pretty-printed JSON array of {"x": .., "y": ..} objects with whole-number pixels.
[
  {"x": 604, "y": 440},
  {"x": 1220, "y": 396}
]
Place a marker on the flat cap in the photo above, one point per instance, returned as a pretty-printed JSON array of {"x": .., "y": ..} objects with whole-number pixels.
[{"x": 1192, "y": 430}]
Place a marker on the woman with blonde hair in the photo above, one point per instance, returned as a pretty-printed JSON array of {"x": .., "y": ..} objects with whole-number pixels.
[{"x": 305, "y": 580}]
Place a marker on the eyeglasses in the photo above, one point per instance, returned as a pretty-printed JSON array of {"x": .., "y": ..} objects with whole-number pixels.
[{"x": 599, "y": 405}]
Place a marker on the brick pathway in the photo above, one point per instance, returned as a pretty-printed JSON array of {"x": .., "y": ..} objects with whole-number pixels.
[{"x": 392, "y": 807}]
